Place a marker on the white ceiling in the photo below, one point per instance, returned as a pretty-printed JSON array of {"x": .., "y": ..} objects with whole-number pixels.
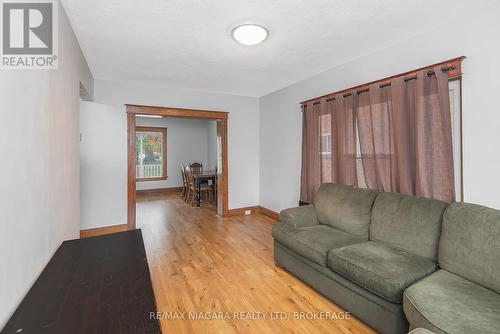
[{"x": 187, "y": 43}]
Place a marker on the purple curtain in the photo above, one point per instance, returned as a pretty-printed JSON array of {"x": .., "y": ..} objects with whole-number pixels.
[
  {"x": 405, "y": 140},
  {"x": 405, "y": 136},
  {"x": 328, "y": 145},
  {"x": 311, "y": 171},
  {"x": 344, "y": 141}
]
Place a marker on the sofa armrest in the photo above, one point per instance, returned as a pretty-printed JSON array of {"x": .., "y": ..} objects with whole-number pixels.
[{"x": 299, "y": 217}]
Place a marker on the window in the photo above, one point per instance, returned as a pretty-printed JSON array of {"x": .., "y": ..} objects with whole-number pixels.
[
  {"x": 151, "y": 153},
  {"x": 456, "y": 127},
  {"x": 325, "y": 147},
  {"x": 326, "y": 144},
  {"x": 360, "y": 172},
  {"x": 395, "y": 134}
]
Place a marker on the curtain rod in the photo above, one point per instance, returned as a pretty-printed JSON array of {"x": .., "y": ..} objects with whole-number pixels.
[
  {"x": 388, "y": 84},
  {"x": 457, "y": 62}
]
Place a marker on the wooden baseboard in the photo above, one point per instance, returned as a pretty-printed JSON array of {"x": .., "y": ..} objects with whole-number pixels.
[
  {"x": 158, "y": 191},
  {"x": 269, "y": 213},
  {"x": 93, "y": 232},
  {"x": 253, "y": 209},
  {"x": 241, "y": 211}
]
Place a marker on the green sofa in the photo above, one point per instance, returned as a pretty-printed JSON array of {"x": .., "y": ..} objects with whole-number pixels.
[
  {"x": 463, "y": 296},
  {"x": 381, "y": 255}
]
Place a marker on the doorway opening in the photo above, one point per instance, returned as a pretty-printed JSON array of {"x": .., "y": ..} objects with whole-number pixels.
[{"x": 221, "y": 119}]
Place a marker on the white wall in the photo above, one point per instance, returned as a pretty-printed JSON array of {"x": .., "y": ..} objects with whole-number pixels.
[
  {"x": 212, "y": 144},
  {"x": 474, "y": 36},
  {"x": 39, "y": 187},
  {"x": 243, "y": 126},
  {"x": 103, "y": 175},
  {"x": 103, "y": 159},
  {"x": 186, "y": 143}
]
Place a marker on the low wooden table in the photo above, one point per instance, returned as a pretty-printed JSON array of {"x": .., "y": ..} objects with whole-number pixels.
[
  {"x": 199, "y": 177},
  {"x": 94, "y": 285}
]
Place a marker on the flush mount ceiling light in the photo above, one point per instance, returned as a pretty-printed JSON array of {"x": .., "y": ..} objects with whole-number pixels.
[{"x": 250, "y": 34}]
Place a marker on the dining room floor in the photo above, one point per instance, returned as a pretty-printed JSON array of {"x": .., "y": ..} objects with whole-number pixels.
[{"x": 204, "y": 267}]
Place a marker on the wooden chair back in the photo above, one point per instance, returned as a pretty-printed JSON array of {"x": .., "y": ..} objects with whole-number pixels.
[
  {"x": 183, "y": 173},
  {"x": 189, "y": 177},
  {"x": 196, "y": 167}
]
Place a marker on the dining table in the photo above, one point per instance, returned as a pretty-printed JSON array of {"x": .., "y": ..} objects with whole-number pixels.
[{"x": 202, "y": 177}]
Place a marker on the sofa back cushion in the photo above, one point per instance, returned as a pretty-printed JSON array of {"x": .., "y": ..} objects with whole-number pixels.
[
  {"x": 408, "y": 222},
  {"x": 470, "y": 244},
  {"x": 345, "y": 207}
]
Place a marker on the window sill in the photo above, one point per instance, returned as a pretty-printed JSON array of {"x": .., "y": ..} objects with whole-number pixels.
[{"x": 161, "y": 178}]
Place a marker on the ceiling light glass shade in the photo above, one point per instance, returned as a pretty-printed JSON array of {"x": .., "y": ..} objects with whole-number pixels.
[{"x": 250, "y": 34}]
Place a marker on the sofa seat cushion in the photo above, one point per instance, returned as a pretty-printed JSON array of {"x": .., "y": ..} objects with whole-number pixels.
[
  {"x": 381, "y": 269},
  {"x": 312, "y": 242},
  {"x": 446, "y": 303},
  {"x": 421, "y": 330}
]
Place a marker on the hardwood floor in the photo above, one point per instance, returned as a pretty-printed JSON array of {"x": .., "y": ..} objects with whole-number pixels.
[{"x": 201, "y": 263}]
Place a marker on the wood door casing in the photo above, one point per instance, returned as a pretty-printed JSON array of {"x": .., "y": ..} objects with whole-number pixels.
[{"x": 222, "y": 152}]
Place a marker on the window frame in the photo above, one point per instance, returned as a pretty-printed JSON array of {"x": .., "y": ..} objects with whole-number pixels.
[
  {"x": 163, "y": 132},
  {"x": 455, "y": 84}
]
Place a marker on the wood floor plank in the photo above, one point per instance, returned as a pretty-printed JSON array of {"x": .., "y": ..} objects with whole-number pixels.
[{"x": 202, "y": 263}]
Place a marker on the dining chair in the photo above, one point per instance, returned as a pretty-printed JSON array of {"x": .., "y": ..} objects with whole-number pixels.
[
  {"x": 215, "y": 186},
  {"x": 190, "y": 186},
  {"x": 196, "y": 167},
  {"x": 184, "y": 182},
  {"x": 191, "y": 196}
]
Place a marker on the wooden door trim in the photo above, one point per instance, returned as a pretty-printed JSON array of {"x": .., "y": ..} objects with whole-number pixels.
[
  {"x": 220, "y": 116},
  {"x": 131, "y": 179},
  {"x": 222, "y": 175},
  {"x": 176, "y": 112}
]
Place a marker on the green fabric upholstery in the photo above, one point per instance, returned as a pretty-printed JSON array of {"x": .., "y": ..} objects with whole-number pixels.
[
  {"x": 312, "y": 242},
  {"x": 421, "y": 330},
  {"x": 326, "y": 245},
  {"x": 381, "y": 269},
  {"x": 470, "y": 244},
  {"x": 299, "y": 217},
  {"x": 446, "y": 303},
  {"x": 383, "y": 316},
  {"x": 345, "y": 208},
  {"x": 408, "y": 222}
]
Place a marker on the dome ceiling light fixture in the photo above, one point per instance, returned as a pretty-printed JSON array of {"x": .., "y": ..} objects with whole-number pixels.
[{"x": 250, "y": 34}]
